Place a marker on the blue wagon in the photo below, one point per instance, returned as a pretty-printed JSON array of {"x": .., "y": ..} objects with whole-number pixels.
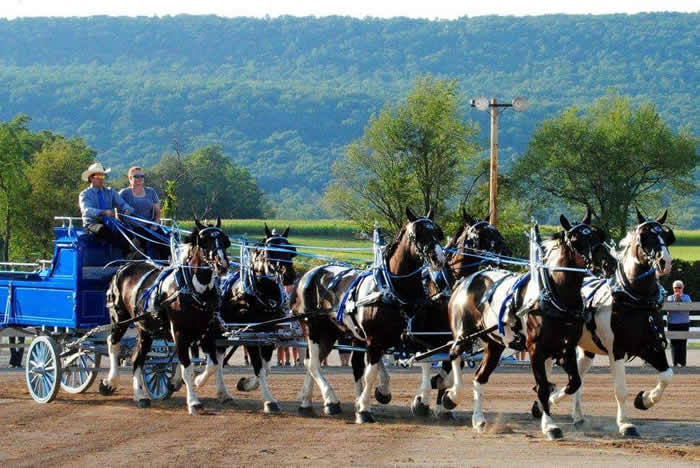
[{"x": 61, "y": 303}]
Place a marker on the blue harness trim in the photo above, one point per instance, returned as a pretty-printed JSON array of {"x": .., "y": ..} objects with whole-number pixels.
[
  {"x": 336, "y": 279},
  {"x": 146, "y": 296},
  {"x": 346, "y": 294},
  {"x": 651, "y": 271},
  {"x": 600, "y": 284},
  {"x": 226, "y": 286},
  {"x": 437, "y": 277},
  {"x": 519, "y": 284}
]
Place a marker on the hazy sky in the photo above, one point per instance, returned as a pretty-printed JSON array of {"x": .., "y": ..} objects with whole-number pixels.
[{"x": 448, "y": 9}]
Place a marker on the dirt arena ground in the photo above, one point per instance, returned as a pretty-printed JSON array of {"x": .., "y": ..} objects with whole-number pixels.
[{"x": 91, "y": 430}]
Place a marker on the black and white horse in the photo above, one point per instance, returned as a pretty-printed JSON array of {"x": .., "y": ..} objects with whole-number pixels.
[
  {"x": 256, "y": 294},
  {"x": 466, "y": 253},
  {"x": 541, "y": 311},
  {"x": 627, "y": 319},
  {"x": 175, "y": 302},
  {"x": 373, "y": 307}
]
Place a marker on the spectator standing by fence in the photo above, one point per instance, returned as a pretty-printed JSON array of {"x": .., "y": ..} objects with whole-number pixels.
[{"x": 678, "y": 320}]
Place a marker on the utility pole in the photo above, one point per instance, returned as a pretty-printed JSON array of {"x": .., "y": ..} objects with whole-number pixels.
[
  {"x": 493, "y": 177},
  {"x": 520, "y": 105}
]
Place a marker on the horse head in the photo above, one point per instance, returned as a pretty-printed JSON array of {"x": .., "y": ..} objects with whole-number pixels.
[
  {"x": 209, "y": 243},
  {"x": 276, "y": 256},
  {"x": 602, "y": 259},
  {"x": 578, "y": 239},
  {"x": 478, "y": 234},
  {"x": 424, "y": 237},
  {"x": 651, "y": 240}
]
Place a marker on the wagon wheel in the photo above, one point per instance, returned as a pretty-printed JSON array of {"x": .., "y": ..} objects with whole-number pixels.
[
  {"x": 157, "y": 376},
  {"x": 43, "y": 369},
  {"x": 79, "y": 371}
]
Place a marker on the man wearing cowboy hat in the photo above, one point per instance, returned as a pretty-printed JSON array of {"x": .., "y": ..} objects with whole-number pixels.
[{"x": 97, "y": 204}]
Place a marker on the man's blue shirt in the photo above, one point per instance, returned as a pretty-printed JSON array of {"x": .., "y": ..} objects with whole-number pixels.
[{"x": 90, "y": 205}]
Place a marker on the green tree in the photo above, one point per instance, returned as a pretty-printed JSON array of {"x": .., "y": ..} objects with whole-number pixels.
[
  {"x": 15, "y": 151},
  {"x": 610, "y": 157},
  {"x": 54, "y": 181},
  {"x": 412, "y": 154},
  {"x": 206, "y": 183}
]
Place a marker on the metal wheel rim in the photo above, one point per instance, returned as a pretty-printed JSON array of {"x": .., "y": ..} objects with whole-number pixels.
[
  {"x": 157, "y": 378},
  {"x": 75, "y": 377},
  {"x": 43, "y": 369}
]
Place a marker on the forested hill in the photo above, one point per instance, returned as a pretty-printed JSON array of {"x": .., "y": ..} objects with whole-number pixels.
[{"x": 283, "y": 96}]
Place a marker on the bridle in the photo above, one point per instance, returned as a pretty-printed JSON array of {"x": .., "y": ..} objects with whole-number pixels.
[
  {"x": 274, "y": 264},
  {"x": 652, "y": 256},
  {"x": 473, "y": 236},
  {"x": 423, "y": 248},
  {"x": 220, "y": 245},
  {"x": 586, "y": 231}
]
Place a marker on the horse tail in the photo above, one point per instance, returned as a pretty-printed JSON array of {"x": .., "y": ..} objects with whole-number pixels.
[
  {"x": 293, "y": 296},
  {"x": 303, "y": 293},
  {"x": 113, "y": 297}
]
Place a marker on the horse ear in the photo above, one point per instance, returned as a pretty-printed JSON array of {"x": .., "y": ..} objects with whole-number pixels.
[
  {"x": 431, "y": 214},
  {"x": 286, "y": 232},
  {"x": 218, "y": 221},
  {"x": 640, "y": 218},
  {"x": 587, "y": 219},
  {"x": 468, "y": 218},
  {"x": 662, "y": 219},
  {"x": 267, "y": 231},
  {"x": 198, "y": 224},
  {"x": 409, "y": 214},
  {"x": 564, "y": 222}
]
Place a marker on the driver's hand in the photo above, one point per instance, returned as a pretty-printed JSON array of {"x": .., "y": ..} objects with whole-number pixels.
[{"x": 109, "y": 213}]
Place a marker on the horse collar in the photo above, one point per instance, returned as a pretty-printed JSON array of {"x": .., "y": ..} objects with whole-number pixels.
[{"x": 622, "y": 285}]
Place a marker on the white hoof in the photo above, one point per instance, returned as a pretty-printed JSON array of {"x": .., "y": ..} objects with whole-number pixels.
[
  {"x": 195, "y": 408},
  {"x": 478, "y": 423}
]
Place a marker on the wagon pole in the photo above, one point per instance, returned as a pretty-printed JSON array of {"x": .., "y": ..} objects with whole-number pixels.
[
  {"x": 276, "y": 321},
  {"x": 450, "y": 344}
]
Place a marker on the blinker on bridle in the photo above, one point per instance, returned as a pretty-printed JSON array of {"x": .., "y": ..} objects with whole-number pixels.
[
  {"x": 423, "y": 250},
  {"x": 656, "y": 229},
  {"x": 585, "y": 230},
  {"x": 275, "y": 263},
  {"x": 215, "y": 233},
  {"x": 472, "y": 234}
]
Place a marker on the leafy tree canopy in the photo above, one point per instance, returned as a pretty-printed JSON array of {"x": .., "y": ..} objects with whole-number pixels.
[
  {"x": 413, "y": 154},
  {"x": 208, "y": 184},
  {"x": 612, "y": 156}
]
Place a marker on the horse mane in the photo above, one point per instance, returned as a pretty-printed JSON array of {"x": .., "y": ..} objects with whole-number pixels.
[
  {"x": 391, "y": 248},
  {"x": 624, "y": 244},
  {"x": 453, "y": 241},
  {"x": 552, "y": 244},
  {"x": 627, "y": 240},
  {"x": 184, "y": 251}
]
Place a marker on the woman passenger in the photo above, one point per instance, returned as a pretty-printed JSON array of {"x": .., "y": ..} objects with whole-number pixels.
[{"x": 146, "y": 206}]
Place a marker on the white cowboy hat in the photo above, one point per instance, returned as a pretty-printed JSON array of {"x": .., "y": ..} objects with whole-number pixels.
[{"x": 95, "y": 168}]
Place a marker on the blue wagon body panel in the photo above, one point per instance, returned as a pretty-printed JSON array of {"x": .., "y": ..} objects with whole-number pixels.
[{"x": 69, "y": 293}]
